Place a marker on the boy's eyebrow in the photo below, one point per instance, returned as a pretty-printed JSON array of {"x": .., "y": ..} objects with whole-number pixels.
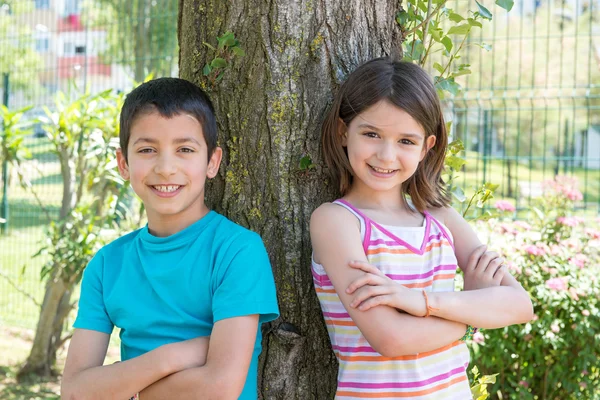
[
  {"x": 410, "y": 135},
  {"x": 176, "y": 141}
]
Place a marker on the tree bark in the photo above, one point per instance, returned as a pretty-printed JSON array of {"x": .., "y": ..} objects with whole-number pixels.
[{"x": 270, "y": 105}]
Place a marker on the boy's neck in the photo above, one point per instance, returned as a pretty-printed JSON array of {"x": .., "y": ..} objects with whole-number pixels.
[{"x": 161, "y": 225}]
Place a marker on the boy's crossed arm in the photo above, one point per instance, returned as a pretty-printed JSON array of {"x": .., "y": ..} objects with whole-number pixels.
[
  {"x": 86, "y": 378},
  {"x": 224, "y": 374},
  {"x": 177, "y": 369}
]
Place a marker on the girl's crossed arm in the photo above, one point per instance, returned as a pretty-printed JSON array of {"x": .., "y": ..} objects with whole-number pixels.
[
  {"x": 335, "y": 235},
  {"x": 86, "y": 378},
  {"x": 492, "y": 297}
]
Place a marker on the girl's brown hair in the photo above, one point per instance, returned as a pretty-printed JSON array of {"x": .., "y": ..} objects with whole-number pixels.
[{"x": 408, "y": 87}]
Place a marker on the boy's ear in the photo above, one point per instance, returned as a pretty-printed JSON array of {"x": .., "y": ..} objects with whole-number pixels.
[
  {"x": 428, "y": 145},
  {"x": 214, "y": 163},
  {"x": 122, "y": 164},
  {"x": 343, "y": 132}
]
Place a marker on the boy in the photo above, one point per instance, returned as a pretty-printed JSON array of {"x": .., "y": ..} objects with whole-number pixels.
[{"x": 189, "y": 278}]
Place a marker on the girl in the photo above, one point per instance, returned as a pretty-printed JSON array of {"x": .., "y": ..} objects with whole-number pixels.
[{"x": 384, "y": 265}]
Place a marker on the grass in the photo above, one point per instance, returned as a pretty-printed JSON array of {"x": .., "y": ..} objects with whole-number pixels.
[{"x": 15, "y": 344}]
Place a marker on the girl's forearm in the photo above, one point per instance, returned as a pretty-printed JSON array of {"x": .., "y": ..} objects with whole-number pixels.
[{"x": 489, "y": 308}]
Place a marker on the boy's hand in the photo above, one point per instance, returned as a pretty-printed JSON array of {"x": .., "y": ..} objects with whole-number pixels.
[
  {"x": 375, "y": 289},
  {"x": 190, "y": 353},
  {"x": 484, "y": 269}
]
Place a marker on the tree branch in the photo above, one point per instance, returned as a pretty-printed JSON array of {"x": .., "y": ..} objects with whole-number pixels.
[
  {"x": 426, "y": 21},
  {"x": 14, "y": 285}
]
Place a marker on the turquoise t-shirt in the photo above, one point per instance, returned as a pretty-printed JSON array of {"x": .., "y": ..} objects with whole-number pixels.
[{"x": 164, "y": 290}]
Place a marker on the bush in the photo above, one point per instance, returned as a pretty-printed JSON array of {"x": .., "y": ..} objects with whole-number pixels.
[{"x": 557, "y": 260}]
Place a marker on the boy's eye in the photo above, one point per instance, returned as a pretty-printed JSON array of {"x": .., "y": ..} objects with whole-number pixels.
[
  {"x": 186, "y": 150},
  {"x": 145, "y": 150}
]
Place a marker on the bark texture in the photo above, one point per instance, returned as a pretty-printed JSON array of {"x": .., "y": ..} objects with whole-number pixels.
[{"x": 270, "y": 105}]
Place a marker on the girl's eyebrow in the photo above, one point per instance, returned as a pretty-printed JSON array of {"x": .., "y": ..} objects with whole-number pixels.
[{"x": 405, "y": 134}]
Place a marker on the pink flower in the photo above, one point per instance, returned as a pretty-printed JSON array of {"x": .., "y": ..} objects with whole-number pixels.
[
  {"x": 528, "y": 271},
  {"x": 582, "y": 385},
  {"x": 507, "y": 228},
  {"x": 504, "y": 205},
  {"x": 513, "y": 267},
  {"x": 558, "y": 284},
  {"x": 567, "y": 221},
  {"x": 523, "y": 225},
  {"x": 535, "y": 250},
  {"x": 555, "y": 328},
  {"x": 556, "y": 250},
  {"x": 524, "y": 384},
  {"x": 584, "y": 372},
  {"x": 579, "y": 260},
  {"x": 535, "y": 317},
  {"x": 593, "y": 234},
  {"x": 573, "y": 194},
  {"x": 573, "y": 293},
  {"x": 478, "y": 337},
  {"x": 585, "y": 313}
]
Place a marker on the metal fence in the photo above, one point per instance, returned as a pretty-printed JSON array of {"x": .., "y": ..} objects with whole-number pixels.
[{"x": 528, "y": 111}]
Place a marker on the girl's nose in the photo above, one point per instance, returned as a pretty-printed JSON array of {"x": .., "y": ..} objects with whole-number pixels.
[{"x": 386, "y": 152}]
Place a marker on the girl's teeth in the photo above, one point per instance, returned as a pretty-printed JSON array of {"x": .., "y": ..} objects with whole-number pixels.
[{"x": 383, "y": 171}]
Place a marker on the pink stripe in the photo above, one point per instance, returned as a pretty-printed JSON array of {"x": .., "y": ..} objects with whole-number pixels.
[
  {"x": 360, "y": 349},
  {"x": 336, "y": 315},
  {"x": 423, "y": 275},
  {"x": 403, "y": 385},
  {"x": 444, "y": 232},
  {"x": 394, "y": 243}
]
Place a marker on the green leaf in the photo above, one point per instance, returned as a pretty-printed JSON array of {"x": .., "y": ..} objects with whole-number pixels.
[
  {"x": 454, "y": 17},
  {"x": 238, "y": 51},
  {"x": 438, "y": 67},
  {"x": 459, "y": 194},
  {"x": 402, "y": 18},
  {"x": 413, "y": 52},
  {"x": 454, "y": 162},
  {"x": 506, "y": 4},
  {"x": 484, "y": 12},
  {"x": 206, "y": 70},
  {"x": 218, "y": 62},
  {"x": 474, "y": 22},
  {"x": 448, "y": 85},
  {"x": 461, "y": 72},
  {"x": 485, "y": 46},
  {"x": 447, "y": 42},
  {"x": 306, "y": 163},
  {"x": 463, "y": 29}
]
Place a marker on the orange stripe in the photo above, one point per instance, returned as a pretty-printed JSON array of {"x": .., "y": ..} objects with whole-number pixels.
[
  {"x": 405, "y": 394},
  {"x": 405, "y": 251},
  {"x": 401, "y": 358},
  {"x": 342, "y": 323},
  {"x": 319, "y": 290}
]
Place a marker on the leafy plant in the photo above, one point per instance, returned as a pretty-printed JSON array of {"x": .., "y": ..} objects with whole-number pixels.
[{"x": 227, "y": 48}]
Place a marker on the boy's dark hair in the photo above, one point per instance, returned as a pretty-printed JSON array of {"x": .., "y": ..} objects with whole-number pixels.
[
  {"x": 408, "y": 87},
  {"x": 168, "y": 97}
]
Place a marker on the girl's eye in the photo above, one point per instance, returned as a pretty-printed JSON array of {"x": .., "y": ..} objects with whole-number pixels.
[
  {"x": 406, "y": 141},
  {"x": 371, "y": 134}
]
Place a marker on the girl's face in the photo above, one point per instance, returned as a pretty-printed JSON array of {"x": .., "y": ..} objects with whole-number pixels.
[{"x": 385, "y": 145}]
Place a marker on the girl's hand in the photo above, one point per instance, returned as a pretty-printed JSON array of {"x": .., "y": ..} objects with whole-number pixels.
[
  {"x": 375, "y": 289},
  {"x": 484, "y": 269}
]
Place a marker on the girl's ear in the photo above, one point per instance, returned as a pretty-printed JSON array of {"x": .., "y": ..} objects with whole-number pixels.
[
  {"x": 343, "y": 132},
  {"x": 428, "y": 145},
  {"x": 122, "y": 164}
]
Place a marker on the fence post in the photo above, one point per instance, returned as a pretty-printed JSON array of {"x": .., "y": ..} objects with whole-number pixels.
[{"x": 4, "y": 209}]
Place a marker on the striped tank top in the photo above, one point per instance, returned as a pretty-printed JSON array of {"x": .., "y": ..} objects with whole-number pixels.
[{"x": 430, "y": 265}]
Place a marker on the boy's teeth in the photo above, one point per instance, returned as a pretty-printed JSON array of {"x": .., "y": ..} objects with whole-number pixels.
[{"x": 166, "y": 188}]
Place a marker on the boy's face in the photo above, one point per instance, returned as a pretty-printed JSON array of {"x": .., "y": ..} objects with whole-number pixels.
[{"x": 168, "y": 167}]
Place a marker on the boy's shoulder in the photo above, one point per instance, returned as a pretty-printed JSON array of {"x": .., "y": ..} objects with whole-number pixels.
[
  {"x": 230, "y": 231},
  {"x": 120, "y": 243}
]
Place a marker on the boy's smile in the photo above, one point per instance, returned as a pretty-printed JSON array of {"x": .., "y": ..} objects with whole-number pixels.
[{"x": 168, "y": 165}]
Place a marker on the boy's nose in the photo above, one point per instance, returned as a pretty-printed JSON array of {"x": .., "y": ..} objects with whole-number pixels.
[{"x": 165, "y": 166}]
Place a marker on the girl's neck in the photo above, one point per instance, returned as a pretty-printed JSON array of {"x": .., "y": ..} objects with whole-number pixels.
[{"x": 391, "y": 201}]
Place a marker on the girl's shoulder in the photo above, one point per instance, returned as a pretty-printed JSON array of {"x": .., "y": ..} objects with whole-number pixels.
[
  {"x": 332, "y": 215},
  {"x": 443, "y": 214}
]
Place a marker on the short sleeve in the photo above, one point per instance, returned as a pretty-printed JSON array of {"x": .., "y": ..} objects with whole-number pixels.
[
  {"x": 91, "y": 312},
  {"x": 244, "y": 283}
]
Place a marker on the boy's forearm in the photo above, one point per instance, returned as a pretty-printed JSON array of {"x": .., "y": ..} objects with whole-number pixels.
[
  {"x": 489, "y": 308},
  {"x": 194, "y": 383},
  {"x": 119, "y": 381}
]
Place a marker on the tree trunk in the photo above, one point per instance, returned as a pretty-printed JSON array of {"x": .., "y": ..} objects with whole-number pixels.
[
  {"x": 56, "y": 305},
  {"x": 43, "y": 352},
  {"x": 269, "y": 107}
]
